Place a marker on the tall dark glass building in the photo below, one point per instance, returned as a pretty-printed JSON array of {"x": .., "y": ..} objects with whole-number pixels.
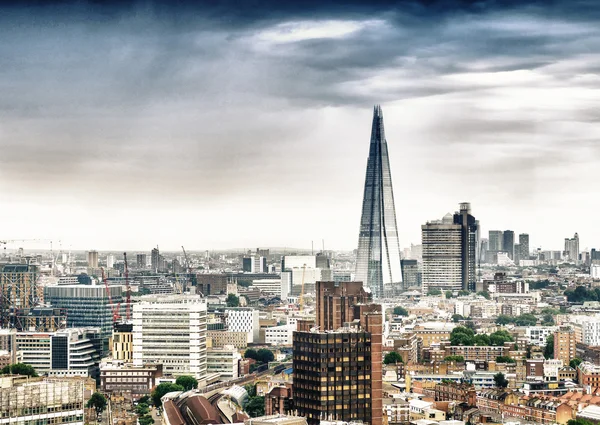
[{"x": 378, "y": 260}]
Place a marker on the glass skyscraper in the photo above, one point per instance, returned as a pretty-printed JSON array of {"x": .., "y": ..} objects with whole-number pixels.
[{"x": 378, "y": 260}]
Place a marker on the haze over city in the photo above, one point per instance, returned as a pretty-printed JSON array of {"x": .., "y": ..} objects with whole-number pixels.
[{"x": 127, "y": 126}]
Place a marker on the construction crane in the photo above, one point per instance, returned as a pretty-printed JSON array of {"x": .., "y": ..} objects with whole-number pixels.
[
  {"x": 301, "y": 300},
  {"x": 115, "y": 310},
  {"x": 127, "y": 288},
  {"x": 187, "y": 260}
]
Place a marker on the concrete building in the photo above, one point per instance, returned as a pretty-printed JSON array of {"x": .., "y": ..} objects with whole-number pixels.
[
  {"x": 212, "y": 283},
  {"x": 118, "y": 377},
  {"x": 92, "y": 259},
  {"x": 524, "y": 246},
  {"x": 571, "y": 252},
  {"x": 243, "y": 319},
  {"x": 442, "y": 255},
  {"x": 171, "y": 330},
  {"x": 87, "y": 306},
  {"x": 348, "y": 357},
  {"x": 275, "y": 287},
  {"x": 69, "y": 352},
  {"x": 223, "y": 360},
  {"x": 565, "y": 344},
  {"x": 221, "y": 338},
  {"x": 141, "y": 261},
  {"x": 280, "y": 335},
  {"x": 48, "y": 401}
]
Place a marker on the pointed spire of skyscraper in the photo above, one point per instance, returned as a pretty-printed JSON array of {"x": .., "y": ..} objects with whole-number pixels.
[{"x": 378, "y": 260}]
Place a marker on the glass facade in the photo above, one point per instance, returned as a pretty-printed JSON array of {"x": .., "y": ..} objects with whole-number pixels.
[{"x": 378, "y": 260}]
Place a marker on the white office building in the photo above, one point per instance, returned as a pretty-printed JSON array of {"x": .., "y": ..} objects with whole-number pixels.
[
  {"x": 537, "y": 335},
  {"x": 279, "y": 335},
  {"x": 64, "y": 353},
  {"x": 276, "y": 287},
  {"x": 171, "y": 329},
  {"x": 589, "y": 326},
  {"x": 243, "y": 319},
  {"x": 224, "y": 361}
]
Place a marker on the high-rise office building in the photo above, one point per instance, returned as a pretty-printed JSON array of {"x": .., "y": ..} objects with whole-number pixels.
[
  {"x": 411, "y": 275},
  {"x": 495, "y": 240},
  {"x": 110, "y": 261},
  {"x": 524, "y": 245},
  {"x": 572, "y": 248},
  {"x": 92, "y": 259},
  {"x": 337, "y": 359},
  {"x": 155, "y": 259},
  {"x": 449, "y": 252},
  {"x": 19, "y": 290},
  {"x": 141, "y": 260},
  {"x": 171, "y": 330},
  {"x": 442, "y": 255},
  {"x": 517, "y": 254},
  {"x": 469, "y": 244},
  {"x": 378, "y": 256},
  {"x": 508, "y": 243},
  {"x": 87, "y": 306}
]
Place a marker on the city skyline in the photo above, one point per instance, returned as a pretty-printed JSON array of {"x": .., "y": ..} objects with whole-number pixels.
[{"x": 124, "y": 127}]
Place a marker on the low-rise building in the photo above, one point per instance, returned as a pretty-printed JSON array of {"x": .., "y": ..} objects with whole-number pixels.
[
  {"x": 224, "y": 361},
  {"x": 280, "y": 335},
  {"x": 48, "y": 401},
  {"x": 120, "y": 377},
  {"x": 223, "y": 338}
]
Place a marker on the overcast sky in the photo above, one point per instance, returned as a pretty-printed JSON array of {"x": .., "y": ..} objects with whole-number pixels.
[{"x": 247, "y": 124}]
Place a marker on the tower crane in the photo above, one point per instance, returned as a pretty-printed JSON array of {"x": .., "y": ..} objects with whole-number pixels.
[
  {"x": 115, "y": 310},
  {"x": 301, "y": 300},
  {"x": 127, "y": 289}
]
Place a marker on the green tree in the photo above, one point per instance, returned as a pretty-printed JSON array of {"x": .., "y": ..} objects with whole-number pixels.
[
  {"x": 400, "y": 311},
  {"x": 579, "y": 422},
  {"x": 142, "y": 409},
  {"x": 457, "y": 318},
  {"x": 187, "y": 382},
  {"x": 462, "y": 336},
  {"x": 251, "y": 354},
  {"x": 392, "y": 357},
  {"x": 503, "y": 319},
  {"x": 19, "y": 369},
  {"x": 549, "y": 348},
  {"x": 162, "y": 389},
  {"x": 265, "y": 355},
  {"x": 500, "y": 380},
  {"x": 97, "y": 402},
  {"x": 484, "y": 294},
  {"x": 250, "y": 389},
  {"x": 526, "y": 319},
  {"x": 145, "y": 420},
  {"x": 145, "y": 399},
  {"x": 457, "y": 359},
  {"x": 505, "y": 359},
  {"x": 498, "y": 338},
  {"x": 547, "y": 320},
  {"x": 434, "y": 291},
  {"x": 575, "y": 362},
  {"x": 550, "y": 310},
  {"x": 255, "y": 406},
  {"x": 448, "y": 294},
  {"x": 233, "y": 301},
  {"x": 462, "y": 293}
]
